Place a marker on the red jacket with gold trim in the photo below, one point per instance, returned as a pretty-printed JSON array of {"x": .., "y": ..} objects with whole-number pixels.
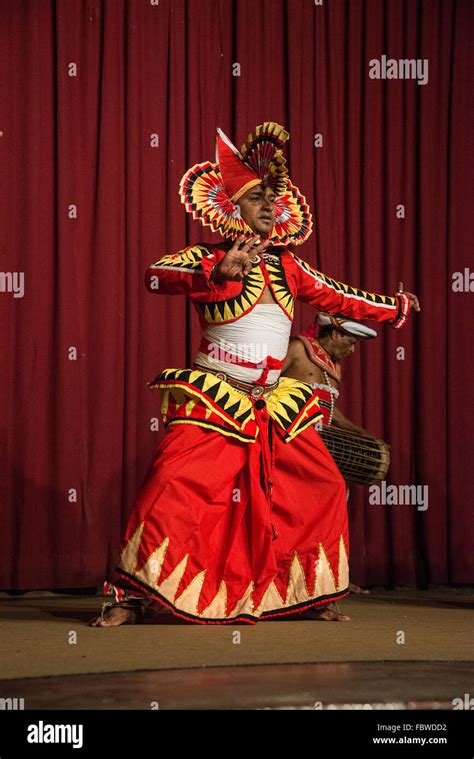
[{"x": 210, "y": 402}]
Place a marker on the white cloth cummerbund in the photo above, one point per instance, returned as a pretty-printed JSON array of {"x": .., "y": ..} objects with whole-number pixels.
[{"x": 264, "y": 331}]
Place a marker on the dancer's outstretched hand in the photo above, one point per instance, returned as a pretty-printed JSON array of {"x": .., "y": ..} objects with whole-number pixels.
[
  {"x": 414, "y": 300},
  {"x": 237, "y": 262}
]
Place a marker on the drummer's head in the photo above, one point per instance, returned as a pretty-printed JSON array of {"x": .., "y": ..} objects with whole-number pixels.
[
  {"x": 339, "y": 335},
  {"x": 336, "y": 342}
]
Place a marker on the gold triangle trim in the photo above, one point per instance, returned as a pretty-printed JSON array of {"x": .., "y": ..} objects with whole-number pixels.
[
  {"x": 296, "y": 592},
  {"x": 210, "y": 381},
  {"x": 245, "y": 604},
  {"x": 151, "y": 570},
  {"x": 165, "y": 405},
  {"x": 189, "y": 406},
  {"x": 227, "y": 312},
  {"x": 188, "y": 600},
  {"x": 128, "y": 557},
  {"x": 187, "y": 395},
  {"x": 280, "y": 411},
  {"x": 343, "y": 570},
  {"x": 271, "y": 600},
  {"x": 217, "y": 607},
  {"x": 324, "y": 584},
  {"x": 169, "y": 586}
]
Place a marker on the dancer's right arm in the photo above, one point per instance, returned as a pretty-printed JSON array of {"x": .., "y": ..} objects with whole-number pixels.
[
  {"x": 187, "y": 272},
  {"x": 203, "y": 270}
]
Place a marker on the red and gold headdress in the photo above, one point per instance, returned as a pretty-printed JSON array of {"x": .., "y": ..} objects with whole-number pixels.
[{"x": 211, "y": 191}]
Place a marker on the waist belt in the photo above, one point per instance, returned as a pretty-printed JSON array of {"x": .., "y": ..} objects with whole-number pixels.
[
  {"x": 255, "y": 391},
  {"x": 266, "y": 364}
]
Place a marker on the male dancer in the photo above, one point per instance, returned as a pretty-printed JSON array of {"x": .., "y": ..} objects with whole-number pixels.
[{"x": 225, "y": 527}]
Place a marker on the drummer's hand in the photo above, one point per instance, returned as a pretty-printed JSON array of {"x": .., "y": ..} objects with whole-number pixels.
[
  {"x": 414, "y": 300},
  {"x": 237, "y": 262}
]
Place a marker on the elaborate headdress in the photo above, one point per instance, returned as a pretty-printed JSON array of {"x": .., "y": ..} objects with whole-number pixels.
[{"x": 211, "y": 191}]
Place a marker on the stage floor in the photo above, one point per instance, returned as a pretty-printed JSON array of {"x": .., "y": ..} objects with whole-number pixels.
[{"x": 53, "y": 660}]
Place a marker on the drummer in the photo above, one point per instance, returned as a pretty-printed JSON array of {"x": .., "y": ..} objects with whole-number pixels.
[{"x": 317, "y": 361}]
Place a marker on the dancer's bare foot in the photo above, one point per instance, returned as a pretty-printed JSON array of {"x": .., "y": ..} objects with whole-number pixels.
[
  {"x": 356, "y": 588},
  {"x": 114, "y": 616},
  {"x": 325, "y": 615}
]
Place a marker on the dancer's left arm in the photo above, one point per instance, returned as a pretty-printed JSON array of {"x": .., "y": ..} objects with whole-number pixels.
[{"x": 327, "y": 294}]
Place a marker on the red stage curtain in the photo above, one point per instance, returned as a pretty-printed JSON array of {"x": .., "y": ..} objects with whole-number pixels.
[{"x": 88, "y": 201}]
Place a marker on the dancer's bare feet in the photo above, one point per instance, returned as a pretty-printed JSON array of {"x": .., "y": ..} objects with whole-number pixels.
[
  {"x": 325, "y": 615},
  {"x": 114, "y": 616},
  {"x": 357, "y": 589}
]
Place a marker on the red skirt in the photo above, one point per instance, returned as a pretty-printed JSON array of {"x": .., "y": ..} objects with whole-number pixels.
[{"x": 222, "y": 532}]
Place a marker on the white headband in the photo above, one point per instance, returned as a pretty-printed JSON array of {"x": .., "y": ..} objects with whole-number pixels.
[{"x": 350, "y": 326}]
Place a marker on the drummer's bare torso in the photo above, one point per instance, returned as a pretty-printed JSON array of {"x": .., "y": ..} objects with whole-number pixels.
[{"x": 302, "y": 368}]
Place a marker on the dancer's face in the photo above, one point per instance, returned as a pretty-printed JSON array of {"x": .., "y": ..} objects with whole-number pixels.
[{"x": 257, "y": 208}]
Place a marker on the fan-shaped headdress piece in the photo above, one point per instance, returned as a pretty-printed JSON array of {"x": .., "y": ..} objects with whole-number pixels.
[{"x": 211, "y": 191}]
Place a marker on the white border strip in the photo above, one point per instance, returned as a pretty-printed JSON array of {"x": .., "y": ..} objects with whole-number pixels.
[{"x": 341, "y": 291}]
